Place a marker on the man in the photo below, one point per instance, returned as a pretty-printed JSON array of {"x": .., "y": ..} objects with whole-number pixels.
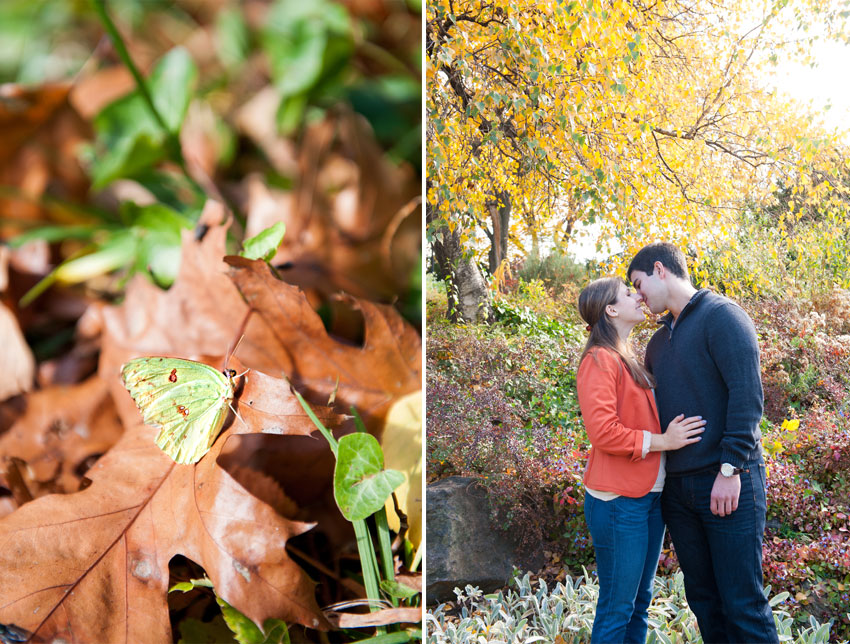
[{"x": 705, "y": 360}]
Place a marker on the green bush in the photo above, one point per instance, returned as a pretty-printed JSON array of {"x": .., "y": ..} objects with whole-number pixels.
[{"x": 557, "y": 270}]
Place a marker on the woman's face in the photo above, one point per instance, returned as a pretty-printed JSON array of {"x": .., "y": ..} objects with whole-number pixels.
[{"x": 628, "y": 306}]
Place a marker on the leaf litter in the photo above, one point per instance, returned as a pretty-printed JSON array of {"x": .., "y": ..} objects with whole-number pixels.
[{"x": 98, "y": 539}]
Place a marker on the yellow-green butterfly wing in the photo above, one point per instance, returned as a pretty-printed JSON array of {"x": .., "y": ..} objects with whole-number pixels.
[{"x": 187, "y": 400}]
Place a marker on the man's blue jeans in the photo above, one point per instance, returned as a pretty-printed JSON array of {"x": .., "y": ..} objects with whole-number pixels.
[
  {"x": 627, "y": 535},
  {"x": 721, "y": 556}
]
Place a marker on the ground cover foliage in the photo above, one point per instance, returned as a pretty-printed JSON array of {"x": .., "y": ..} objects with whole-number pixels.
[
  {"x": 175, "y": 177},
  {"x": 529, "y": 611},
  {"x": 502, "y": 407}
]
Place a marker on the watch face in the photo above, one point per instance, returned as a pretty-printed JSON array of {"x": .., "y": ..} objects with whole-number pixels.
[{"x": 726, "y": 469}]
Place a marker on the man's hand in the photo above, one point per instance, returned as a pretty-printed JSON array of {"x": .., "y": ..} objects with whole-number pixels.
[{"x": 724, "y": 494}]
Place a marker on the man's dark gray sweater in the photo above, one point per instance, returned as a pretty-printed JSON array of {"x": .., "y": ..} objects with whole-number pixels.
[{"x": 707, "y": 365}]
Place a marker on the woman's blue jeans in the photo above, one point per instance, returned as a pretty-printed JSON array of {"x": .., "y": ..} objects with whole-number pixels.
[{"x": 627, "y": 535}]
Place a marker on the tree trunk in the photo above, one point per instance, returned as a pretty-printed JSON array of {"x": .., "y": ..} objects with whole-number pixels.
[
  {"x": 468, "y": 298},
  {"x": 500, "y": 214}
]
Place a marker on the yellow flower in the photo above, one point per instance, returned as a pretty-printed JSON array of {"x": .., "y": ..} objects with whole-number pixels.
[{"x": 790, "y": 425}]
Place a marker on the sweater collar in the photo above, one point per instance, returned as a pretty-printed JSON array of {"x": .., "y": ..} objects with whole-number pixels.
[{"x": 667, "y": 319}]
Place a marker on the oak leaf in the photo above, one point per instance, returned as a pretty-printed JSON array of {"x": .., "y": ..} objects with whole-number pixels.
[
  {"x": 59, "y": 431},
  {"x": 370, "y": 378},
  {"x": 93, "y": 566}
]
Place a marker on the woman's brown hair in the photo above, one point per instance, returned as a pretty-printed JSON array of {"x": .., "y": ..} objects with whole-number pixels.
[{"x": 592, "y": 301}]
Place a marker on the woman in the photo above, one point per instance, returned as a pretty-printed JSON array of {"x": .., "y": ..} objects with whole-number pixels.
[{"x": 625, "y": 470}]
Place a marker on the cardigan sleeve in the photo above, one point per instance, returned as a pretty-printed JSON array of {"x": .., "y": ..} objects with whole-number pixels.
[{"x": 596, "y": 382}]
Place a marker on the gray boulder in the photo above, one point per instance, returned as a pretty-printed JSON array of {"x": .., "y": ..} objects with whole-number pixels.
[{"x": 462, "y": 547}]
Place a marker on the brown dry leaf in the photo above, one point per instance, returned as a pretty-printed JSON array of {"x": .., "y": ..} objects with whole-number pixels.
[
  {"x": 60, "y": 431},
  {"x": 370, "y": 378},
  {"x": 354, "y": 223},
  {"x": 16, "y": 360},
  {"x": 93, "y": 566},
  {"x": 92, "y": 92},
  {"x": 39, "y": 136},
  {"x": 378, "y": 618},
  {"x": 24, "y": 110}
]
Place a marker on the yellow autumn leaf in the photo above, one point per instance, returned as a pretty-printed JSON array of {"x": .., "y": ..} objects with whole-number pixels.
[
  {"x": 790, "y": 425},
  {"x": 402, "y": 444}
]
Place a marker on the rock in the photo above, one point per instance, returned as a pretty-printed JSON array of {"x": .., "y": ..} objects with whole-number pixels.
[{"x": 462, "y": 546}]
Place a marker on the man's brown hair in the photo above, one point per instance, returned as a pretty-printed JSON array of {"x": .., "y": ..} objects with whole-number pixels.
[{"x": 669, "y": 255}]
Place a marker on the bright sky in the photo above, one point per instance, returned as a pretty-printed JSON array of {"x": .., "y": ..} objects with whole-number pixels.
[{"x": 824, "y": 84}]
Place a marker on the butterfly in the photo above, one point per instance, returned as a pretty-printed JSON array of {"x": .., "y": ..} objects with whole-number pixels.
[{"x": 187, "y": 400}]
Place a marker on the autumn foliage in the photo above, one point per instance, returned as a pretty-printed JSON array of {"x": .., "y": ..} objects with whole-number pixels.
[
  {"x": 104, "y": 550},
  {"x": 630, "y": 122},
  {"x": 124, "y": 216}
]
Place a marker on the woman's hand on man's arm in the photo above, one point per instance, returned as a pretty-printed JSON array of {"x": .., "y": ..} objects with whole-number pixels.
[{"x": 680, "y": 432}]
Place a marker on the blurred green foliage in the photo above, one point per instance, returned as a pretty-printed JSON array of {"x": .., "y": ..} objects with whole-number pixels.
[{"x": 318, "y": 55}]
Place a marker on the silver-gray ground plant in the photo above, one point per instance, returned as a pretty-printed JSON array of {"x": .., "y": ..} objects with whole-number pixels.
[{"x": 564, "y": 615}]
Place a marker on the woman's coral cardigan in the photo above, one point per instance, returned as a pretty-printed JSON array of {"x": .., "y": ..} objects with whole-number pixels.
[{"x": 616, "y": 410}]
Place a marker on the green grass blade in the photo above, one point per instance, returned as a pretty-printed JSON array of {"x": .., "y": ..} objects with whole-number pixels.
[
  {"x": 325, "y": 432},
  {"x": 385, "y": 547}
]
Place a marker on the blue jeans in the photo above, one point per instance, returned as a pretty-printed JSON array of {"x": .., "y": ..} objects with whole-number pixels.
[
  {"x": 627, "y": 535},
  {"x": 721, "y": 556}
]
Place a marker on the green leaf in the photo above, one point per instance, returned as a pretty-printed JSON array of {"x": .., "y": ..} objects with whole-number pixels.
[
  {"x": 388, "y": 638},
  {"x": 398, "y": 590},
  {"x": 128, "y": 153},
  {"x": 129, "y": 138},
  {"x": 247, "y": 632},
  {"x": 307, "y": 43},
  {"x": 233, "y": 36},
  {"x": 158, "y": 231},
  {"x": 53, "y": 234},
  {"x": 361, "y": 484},
  {"x": 290, "y": 113},
  {"x": 171, "y": 86},
  {"x": 114, "y": 252},
  {"x": 264, "y": 245},
  {"x": 186, "y": 586},
  {"x": 169, "y": 189}
]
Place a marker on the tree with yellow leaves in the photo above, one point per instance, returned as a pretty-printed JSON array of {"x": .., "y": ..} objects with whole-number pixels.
[{"x": 646, "y": 119}]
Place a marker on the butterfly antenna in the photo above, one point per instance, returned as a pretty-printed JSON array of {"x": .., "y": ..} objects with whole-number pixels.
[{"x": 240, "y": 334}]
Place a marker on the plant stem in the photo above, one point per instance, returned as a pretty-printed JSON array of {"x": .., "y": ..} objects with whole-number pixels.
[
  {"x": 100, "y": 8},
  {"x": 328, "y": 436},
  {"x": 369, "y": 564},
  {"x": 385, "y": 547},
  {"x": 173, "y": 136}
]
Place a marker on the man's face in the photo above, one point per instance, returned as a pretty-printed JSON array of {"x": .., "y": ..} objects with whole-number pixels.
[{"x": 652, "y": 289}]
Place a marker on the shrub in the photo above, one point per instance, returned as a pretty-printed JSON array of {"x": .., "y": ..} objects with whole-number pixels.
[
  {"x": 557, "y": 270},
  {"x": 504, "y": 409},
  {"x": 807, "y": 542},
  {"x": 803, "y": 359}
]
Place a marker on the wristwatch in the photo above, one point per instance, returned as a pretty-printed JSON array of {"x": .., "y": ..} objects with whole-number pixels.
[{"x": 728, "y": 470}]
